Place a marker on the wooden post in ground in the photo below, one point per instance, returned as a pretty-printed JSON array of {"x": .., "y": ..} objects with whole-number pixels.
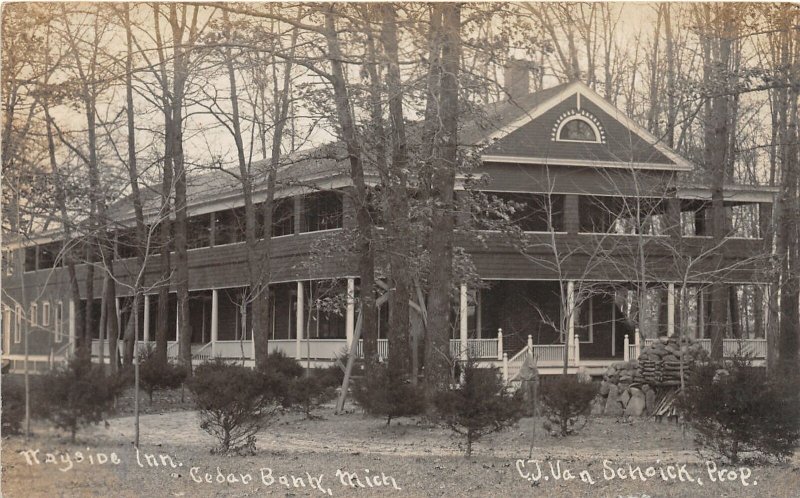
[{"x": 351, "y": 357}]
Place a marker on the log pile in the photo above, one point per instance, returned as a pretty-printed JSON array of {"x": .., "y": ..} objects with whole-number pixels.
[
  {"x": 636, "y": 388},
  {"x": 660, "y": 363}
]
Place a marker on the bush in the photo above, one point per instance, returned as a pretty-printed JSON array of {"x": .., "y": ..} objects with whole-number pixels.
[
  {"x": 77, "y": 395},
  {"x": 13, "y": 403},
  {"x": 234, "y": 403},
  {"x": 383, "y": 395},
  {"x": 309, "y": 392},
  {"x": 738, "y": 409},
  {"x": 156, "y": 376},
  {"x": 279, "y": 363},
  {"x": 331, "y": 376},
  {"x": 480, "y": 406},
  {"x": 566, "y": 401}
]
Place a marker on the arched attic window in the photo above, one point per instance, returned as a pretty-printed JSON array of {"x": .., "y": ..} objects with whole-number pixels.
[{"x": 578, "y": 126}]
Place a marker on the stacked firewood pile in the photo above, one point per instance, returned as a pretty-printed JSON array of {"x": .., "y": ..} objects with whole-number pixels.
[
  {"x": 641, "y": 387},
  {"x": 660, "y": 363}
]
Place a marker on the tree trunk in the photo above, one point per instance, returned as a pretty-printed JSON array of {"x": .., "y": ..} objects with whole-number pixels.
[
  {"x": 735, "y": 314},
  {"x": 180, "y": 64},
  {"x": 142, "y": 242},
  {"x": 787, "y": 227},
  {"x": 365, "y": 250},
  {"x": 68, "y": 250},
  {"x": 444, "y": 165},
  {"x": 165, "y": 224},
  {"x": 717, "y": 147},
  {"x": 399, "y": 317}
]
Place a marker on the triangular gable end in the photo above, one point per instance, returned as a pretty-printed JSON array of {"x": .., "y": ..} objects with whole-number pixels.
[{"x": 622, "y": 143}]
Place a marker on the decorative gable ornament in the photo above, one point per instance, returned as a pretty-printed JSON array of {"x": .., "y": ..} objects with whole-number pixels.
[{"x": 583, "y": 122}]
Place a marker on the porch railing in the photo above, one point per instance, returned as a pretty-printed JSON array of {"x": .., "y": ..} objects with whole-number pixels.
[
  {"x": 383, "y": 348},
  {"x": 173, "y": 349},
  {"x": 329, "y": 349},
  {"x": 545, "y": 355},
  {"x": 202, "y": 353},
  {"x": 476, "y": 348},
  {"x": 234, "y": 349}
]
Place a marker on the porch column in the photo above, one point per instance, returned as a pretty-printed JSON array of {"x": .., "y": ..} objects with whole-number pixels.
[
  {"x": 499, "y": 344},
  {"x": 570, "y": 315},
  {"x": 463, "y": 324},
  {"x": 577, "y": 355},
  {"x": 626, "y": 351},
  {"x": 671, "y": 309},
  {"x": 214, "y": 322},
  {"x": 299, "y": 319},
  {"x": 350, "y": 316},
  {"x": 146, "y": 320},
  {"x": 72, "y": 326}
]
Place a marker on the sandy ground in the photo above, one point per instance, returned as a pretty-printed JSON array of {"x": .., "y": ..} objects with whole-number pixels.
[{"x": 419, "y": 459}]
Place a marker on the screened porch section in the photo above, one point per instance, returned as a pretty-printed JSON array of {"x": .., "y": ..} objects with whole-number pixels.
[{"x": 528, "y": 308}]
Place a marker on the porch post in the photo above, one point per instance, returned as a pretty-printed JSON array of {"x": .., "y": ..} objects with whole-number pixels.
[
  {"x": 637, "y": 347},
  {"x": 463, "y": 325},
  {"x": 350, "y": 316},
  {"x": 577, "y": 355},
  {"x": 671, "y": 309},
  {"x": 499, "y": 344},
  {"x": 625, "y": 352},
  {"x": 214, "y": 322},
  {"x": 146, "y": 319},
  {"x": 72, "y": 326},
  {"x": 299, "y": 319},
  {"x": 571, "y": 315},
  {"x": 505, "y": 368}
]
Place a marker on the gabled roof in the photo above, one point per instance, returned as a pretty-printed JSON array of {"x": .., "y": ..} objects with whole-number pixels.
[
  {"x": 513, "y": 130},
  {"x": 524, "y": 132}
]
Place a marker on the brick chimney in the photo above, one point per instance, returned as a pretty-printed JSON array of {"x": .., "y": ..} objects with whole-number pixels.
[{"x": 516, "y": 78}]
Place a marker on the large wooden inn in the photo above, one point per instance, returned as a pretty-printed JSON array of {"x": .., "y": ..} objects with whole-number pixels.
[{"x": 607, "y": 208}]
